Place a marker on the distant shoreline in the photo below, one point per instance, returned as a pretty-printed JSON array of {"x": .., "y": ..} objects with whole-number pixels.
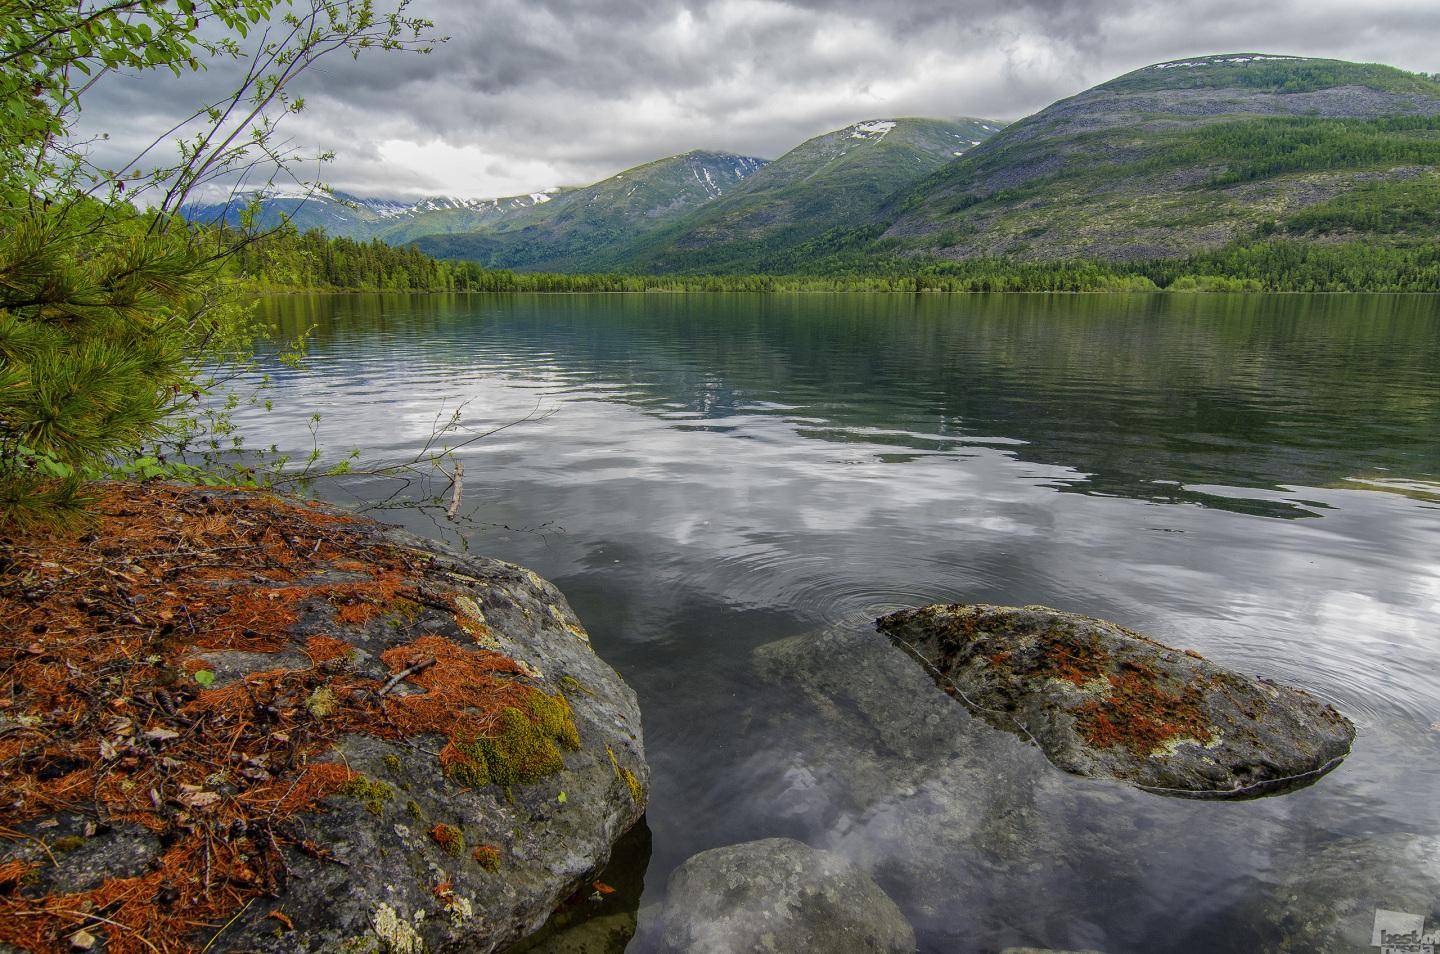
[{"x": 1167, "y": 292}]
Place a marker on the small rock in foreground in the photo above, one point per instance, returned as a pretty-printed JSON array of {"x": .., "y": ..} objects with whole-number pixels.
[
  {"x": 1100, "y": 700},
  {"x": 778, "y": 895}
]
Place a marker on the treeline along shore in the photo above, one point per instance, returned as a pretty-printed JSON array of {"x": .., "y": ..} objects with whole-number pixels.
[{"x": 285, "y": 260}]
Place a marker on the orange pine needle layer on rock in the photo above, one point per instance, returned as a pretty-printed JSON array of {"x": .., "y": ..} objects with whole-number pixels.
[{"x": 106, "y": 719}]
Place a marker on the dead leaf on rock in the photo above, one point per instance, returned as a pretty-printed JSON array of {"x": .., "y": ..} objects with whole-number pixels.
[{"x": 192, "y": 796}]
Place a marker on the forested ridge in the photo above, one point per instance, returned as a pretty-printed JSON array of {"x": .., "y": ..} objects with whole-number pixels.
[{"x": 286, "y": 261}]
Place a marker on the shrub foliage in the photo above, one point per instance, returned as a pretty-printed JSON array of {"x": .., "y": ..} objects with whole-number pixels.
[{"x": 112, "y": 307}]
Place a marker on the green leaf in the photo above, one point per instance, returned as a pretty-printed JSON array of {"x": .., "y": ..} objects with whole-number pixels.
[{"x": 204, "y": 676}]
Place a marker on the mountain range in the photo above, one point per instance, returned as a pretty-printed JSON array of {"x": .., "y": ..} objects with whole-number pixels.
[
  {"x": 1165, "y": 161},
  {"x": 1189, "y": 155},
  {"x": 636, "y": 199}
]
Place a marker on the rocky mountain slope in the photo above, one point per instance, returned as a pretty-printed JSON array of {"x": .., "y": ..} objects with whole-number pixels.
[
  {"x": 834, "y": 180},
  {"x": 338, "y": 214},
  {"x": 342, "y": 215},
  {"x": 580, "y": 228},
  {"x": 1190, "y": 154},
  {"x": 550, "y": 227}
]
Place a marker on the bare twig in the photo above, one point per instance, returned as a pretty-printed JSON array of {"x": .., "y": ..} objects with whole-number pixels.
[
  {"x": 457, "y": 483},
  {"x": 404, "y": 674}
]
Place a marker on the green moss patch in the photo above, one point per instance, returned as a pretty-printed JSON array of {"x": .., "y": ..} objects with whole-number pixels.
[
  {"x": 637, "y": 791},
  {"x": 450, "y": 839},
  {"x": 488, "y": 857},
  {"x": 369, "y": 792},
  {"x": 527, "y": 745}
]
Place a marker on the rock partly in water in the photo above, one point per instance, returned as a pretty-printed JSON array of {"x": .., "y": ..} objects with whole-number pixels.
[
  {"x": 602, "y": 915},
  {"x": 778, "y": 895},
  {"x": 1100, "y": 700},
  {"x": 238, "y": 722},
  {"x": 871, "y": 761}
]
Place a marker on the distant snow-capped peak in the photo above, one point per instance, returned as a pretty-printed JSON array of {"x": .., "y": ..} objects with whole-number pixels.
[{"x": 439, "y": 203}]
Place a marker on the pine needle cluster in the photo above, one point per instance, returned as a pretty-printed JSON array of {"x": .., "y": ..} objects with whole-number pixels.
[{"x": 104, "y": 322}]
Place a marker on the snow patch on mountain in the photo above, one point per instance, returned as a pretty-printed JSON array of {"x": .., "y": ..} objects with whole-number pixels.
[
  {"x": 708, "y": 183},
  {"x": 874, "y": 130},
  {"x": 1218, "y": 61}
]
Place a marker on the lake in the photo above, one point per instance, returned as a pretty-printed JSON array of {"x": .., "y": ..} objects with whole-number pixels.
[{"x": 1256, "y": 478}]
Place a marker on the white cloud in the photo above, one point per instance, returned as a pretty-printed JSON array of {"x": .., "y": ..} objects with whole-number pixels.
[
  {"x": 452, "y": 169},
  {"x": 530, "y": 93}
]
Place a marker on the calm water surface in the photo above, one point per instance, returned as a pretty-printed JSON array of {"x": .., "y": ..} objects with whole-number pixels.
[{"x": 1256, "y": 478}]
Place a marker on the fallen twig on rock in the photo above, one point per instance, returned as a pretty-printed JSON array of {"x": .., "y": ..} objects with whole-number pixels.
[{"x": 404, "y": 674}]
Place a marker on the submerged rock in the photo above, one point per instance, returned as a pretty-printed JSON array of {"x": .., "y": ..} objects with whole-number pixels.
[
  {"x": 870, "y": 761},
  {"x": 778, "y": 895},
  {"x": 271, "y": 726},
  {"x": 1100, "y": 700},
  {"x": 1324, "y": 901}
]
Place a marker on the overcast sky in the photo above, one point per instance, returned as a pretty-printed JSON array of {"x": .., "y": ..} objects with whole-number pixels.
[{"x": 534, "y": 93}]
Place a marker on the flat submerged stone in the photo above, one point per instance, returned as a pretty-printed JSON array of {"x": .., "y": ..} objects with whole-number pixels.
[
  {"x": 778, "y": 895},
  {"x": 1102, "y": 701}
]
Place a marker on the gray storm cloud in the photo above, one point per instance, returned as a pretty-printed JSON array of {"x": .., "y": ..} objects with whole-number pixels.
[{"x": 533, "y": 93}]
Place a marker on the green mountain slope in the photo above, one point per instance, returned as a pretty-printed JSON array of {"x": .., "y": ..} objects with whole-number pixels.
[
  {"x": 553, "y": 226},
  {"x": 337, "y": 214},
  {"x": 838, "y": 179},
  {"x": 443, "y": 216},
  {"x": 1189, "y": 155},
  {"x": 579, "y": 227},
  {"x": 340, "y": 215}
]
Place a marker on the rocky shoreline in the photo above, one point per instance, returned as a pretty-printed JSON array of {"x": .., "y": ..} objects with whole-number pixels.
[{"x": 233, "y": 721}]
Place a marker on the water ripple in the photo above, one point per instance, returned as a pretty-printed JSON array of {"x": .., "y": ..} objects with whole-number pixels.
[{"x": 1253, "y": 478}]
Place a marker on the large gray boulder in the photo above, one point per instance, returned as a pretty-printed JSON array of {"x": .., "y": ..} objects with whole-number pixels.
[
  {"x": 354, "y": 740},
  {"x": 778, "y": 895},
  {"x": 1102, "y": 701}
]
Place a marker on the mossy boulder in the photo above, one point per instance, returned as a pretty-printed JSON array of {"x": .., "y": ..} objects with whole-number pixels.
[
  {"x": 1102, "y": 701},
  {"x": 334, "y": 737}
]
